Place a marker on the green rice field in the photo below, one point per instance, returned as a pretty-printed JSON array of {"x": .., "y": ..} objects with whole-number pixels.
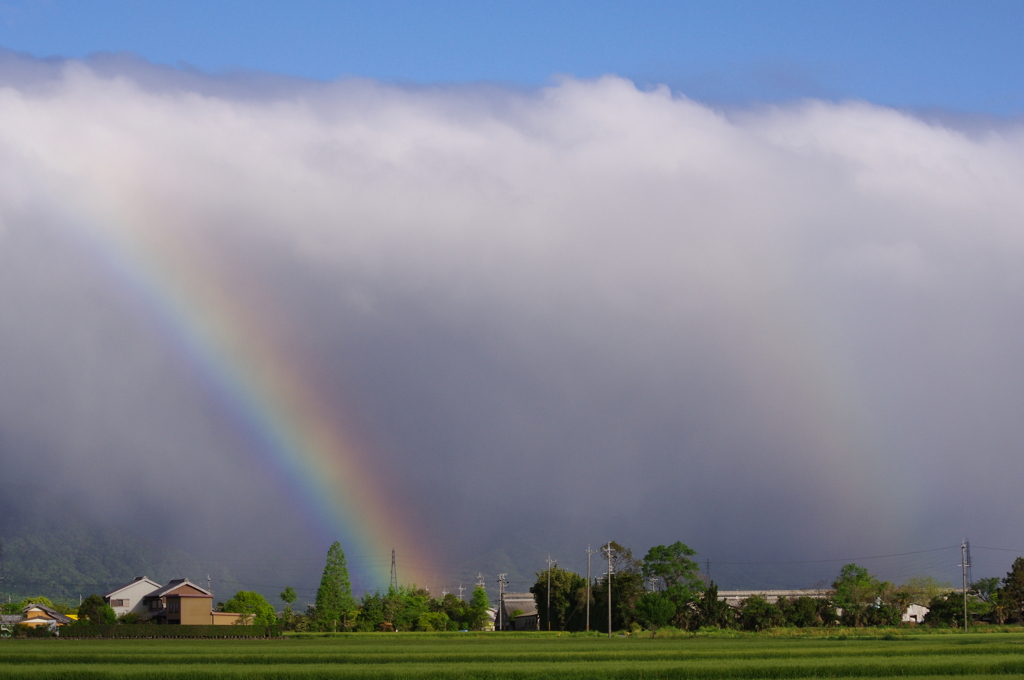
[{"x": 412, "y": 655}]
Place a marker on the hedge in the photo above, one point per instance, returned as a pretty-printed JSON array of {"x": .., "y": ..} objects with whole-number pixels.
[{"x": 152, "y": 630}]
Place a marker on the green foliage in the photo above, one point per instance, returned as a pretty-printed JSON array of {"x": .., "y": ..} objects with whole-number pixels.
[
  {"x": 993, "y": 598},
  {"x": 477, "y": 616},
  {"x": 568, "y": 599},
  {"x": 75, "y": 556},
  {"x": 712, "y": 611},
  {"x": 946, "y": 610},
  {"x": 39, "y": 599},
  {"x": 923, "y": 589},
  {"x": 806, "y": 612},
  {"x": 854, "y": 592},
  {"x": 1012, "y": 594},
  {"x": 627, "y": 586},
  {"x": 655, "y": 610},
  {"x": 96, "y": 611},
  {"x": 757, "y": 613},
  {"x": 334, "y": 596},
  {"x": 254, "y": 606},
  {"x": 673, "y": 566},
  {"x": 434, "y": 621},
  {"x": 288, "y": 596}
]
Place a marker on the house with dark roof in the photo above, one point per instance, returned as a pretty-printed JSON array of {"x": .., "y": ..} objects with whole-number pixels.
[
  {"x": 37, "y": 615},
  {"x": 519, "y": 612},
  {"x": 180, "y": 602},
  {"x": 130, "y": 598}
]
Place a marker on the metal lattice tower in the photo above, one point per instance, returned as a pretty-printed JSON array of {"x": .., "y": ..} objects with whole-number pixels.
[{"x": 394, "y": 571}]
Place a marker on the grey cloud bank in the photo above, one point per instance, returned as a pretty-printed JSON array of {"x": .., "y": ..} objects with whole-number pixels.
[{"x": 560, "y": 316}]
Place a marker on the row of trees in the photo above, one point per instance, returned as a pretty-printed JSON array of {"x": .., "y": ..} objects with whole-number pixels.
[
  {"x": 665, "y": 588},
  {"x": 403, "y": 608}
]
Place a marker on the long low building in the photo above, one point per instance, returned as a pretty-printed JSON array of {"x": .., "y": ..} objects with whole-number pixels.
[
  {"x": 914, "y": 613},
  {"x": 735, "y": 597}
]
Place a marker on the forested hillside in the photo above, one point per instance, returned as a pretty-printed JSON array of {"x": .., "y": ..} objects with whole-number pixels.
[{"x": 65, "y": 556}]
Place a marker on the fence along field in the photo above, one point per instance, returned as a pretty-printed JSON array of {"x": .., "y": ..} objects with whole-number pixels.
[{"x": 494, "y": 657}]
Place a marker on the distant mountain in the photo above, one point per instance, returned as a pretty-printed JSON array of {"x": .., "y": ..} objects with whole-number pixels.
[{"x": 66, "y": 557}]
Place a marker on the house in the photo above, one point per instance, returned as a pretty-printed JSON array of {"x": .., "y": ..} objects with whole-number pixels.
[
  {"x": 129, "y": 599},
  {"x": 36, "y": 615},
  {"x": 519, "y": 612},
  {"x": 180, "y": 602}
]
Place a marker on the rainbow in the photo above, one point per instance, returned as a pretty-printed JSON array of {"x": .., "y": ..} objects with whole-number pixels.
[{"x": 264, "y": 390}]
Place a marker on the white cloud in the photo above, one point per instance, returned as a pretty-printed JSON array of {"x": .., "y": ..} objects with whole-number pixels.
[{"x": 617, "y": 284}]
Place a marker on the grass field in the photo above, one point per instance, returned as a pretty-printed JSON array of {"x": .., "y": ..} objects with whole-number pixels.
[{"x": 413, "y": 655}]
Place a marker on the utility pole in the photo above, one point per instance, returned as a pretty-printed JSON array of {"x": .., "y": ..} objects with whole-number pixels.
[
  {"x": 550, "y": 562},
  {"x": 460, "y": 592},
  {"x": 502, "y": 582},
  {"x": 589, "y": 553},
  {"x": 653, "y": 580},
  {"x": 963, "y": 570},
  {"x": 970, "y": 576},
  {"x": 394, "y": 571},
  {"x": 208, "y": 588},
  {"x": 479, "y": 579},
  {"x": 610, "y": 552},
  {"x": 444, "y": 592}
]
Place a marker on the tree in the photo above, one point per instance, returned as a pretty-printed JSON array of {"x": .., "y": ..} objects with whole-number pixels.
[
  {"x": 757, "y": 613},
  {"x": 255, "y": 608},
  {"x": 678, "y": 576},
  {"x": 627, "y": 586},
  {"x": 655, "y": 610},
  {"x": 478, "y": 606},
  {"x": 945, "y": 610},
  {"x": 96, "y": 611},
  {"x": 854, "y": 591},
  {"x": 712, "y": 611},
  {"x": 334, "y": 596},
  {"x": 987, "y": 590},
  {"x": 288, "y": 596},
  {"x": 568, "y": 594},
  {"x": 803, "y": 611},
  {"x": 673, "y": 566},
  {"x": 1013, "y": 588}
]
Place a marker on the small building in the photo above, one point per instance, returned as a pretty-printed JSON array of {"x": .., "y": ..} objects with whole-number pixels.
[
  {"x": 130, "y": 598},
  {"x": 180, "y": 602},
  {"x": 915, "y": 613},
  {"x": 519, "y": 612},
  {"x": 36, "y": 615}
]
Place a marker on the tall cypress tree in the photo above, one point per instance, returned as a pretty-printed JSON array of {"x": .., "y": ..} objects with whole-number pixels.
[{"x": 334, "y": 596}]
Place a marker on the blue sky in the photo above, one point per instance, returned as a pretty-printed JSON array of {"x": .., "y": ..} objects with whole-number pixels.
[{"x": 955, "y": 56}]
